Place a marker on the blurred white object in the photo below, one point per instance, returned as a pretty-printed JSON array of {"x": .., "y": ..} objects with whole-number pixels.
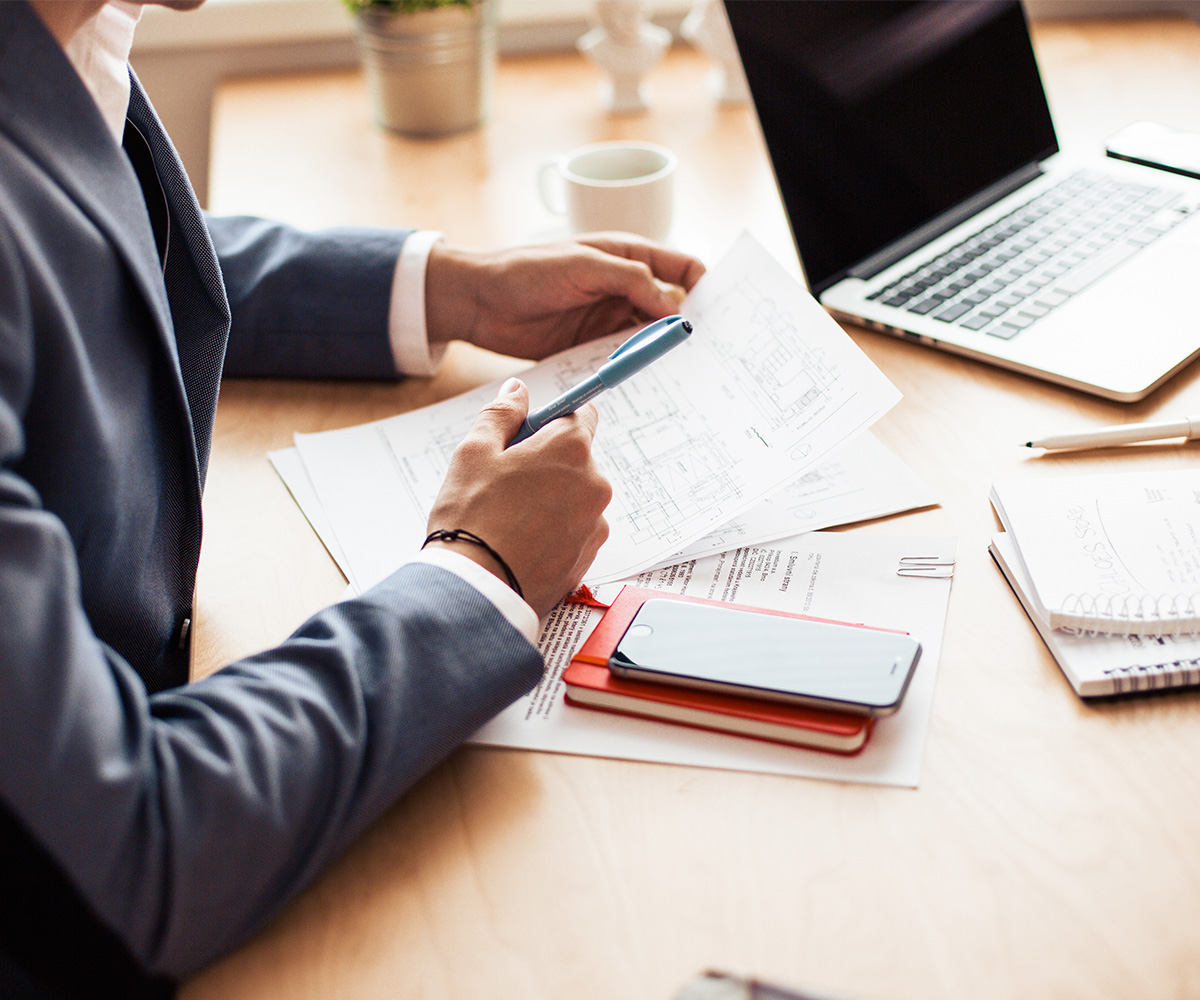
[
  {"x": 628, "y": 186},
  {"x": 707, "y": 28},
  {"x": 626, "y": 46}
]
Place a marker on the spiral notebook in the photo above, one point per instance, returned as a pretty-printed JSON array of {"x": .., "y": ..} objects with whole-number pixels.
[
  {"x": 1115, "y": 554},
  {"x": 1101, "y": 666}
]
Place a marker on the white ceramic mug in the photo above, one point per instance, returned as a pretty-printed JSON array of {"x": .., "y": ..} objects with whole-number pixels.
[{"x": 628, "y": 186}]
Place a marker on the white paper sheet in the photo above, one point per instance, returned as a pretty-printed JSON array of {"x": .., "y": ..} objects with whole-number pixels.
[
  {"x": 847, "y": 577},
  {"x": 863, "y": 479},
  {"x": 765, "y": 389},
  {"x": 290, "y": 468}
]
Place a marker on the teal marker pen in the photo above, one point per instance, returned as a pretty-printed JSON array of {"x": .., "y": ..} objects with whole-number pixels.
[{"x": 645, "y": 346}]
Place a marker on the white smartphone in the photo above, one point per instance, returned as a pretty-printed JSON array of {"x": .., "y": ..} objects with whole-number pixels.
[
  {"x": 748, "y": 653},
  {"x": 1154, "y": 145}
]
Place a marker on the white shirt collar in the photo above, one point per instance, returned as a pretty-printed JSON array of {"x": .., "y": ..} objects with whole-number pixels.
[{"x": 100, "y": 54}]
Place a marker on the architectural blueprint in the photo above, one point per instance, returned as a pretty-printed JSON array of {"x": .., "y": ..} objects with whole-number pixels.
[
  {"x": 861, "y": 480},
  {"x": 766, "y": 388}
]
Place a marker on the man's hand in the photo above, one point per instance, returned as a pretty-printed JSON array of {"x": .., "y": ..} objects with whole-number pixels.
[
  {"x": 539, "y": 504},
  {"x": 531, "y": 302}
]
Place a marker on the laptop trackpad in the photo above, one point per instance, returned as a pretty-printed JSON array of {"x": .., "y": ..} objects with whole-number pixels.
[{"x": 1140, "y": 322}]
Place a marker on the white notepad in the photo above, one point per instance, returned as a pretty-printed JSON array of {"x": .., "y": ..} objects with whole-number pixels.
[
  {"x": 1104, "y": 665},
  {"x": 1115, "y": 554}
]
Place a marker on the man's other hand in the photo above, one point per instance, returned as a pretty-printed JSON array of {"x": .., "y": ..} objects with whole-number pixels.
[{"x": 533, "y": 301}]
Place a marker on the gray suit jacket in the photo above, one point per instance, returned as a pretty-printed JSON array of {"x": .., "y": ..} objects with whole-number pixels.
[{"x": 184, "y": 815}]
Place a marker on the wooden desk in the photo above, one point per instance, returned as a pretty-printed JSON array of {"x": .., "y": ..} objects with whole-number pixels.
[{"x": 1051, "y": 850}]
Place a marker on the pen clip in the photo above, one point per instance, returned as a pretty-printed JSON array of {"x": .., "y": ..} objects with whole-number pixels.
[{"x": 646, "y": 333}]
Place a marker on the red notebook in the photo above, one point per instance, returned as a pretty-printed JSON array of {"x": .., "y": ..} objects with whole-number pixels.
[{"x": 590, "y": 684}]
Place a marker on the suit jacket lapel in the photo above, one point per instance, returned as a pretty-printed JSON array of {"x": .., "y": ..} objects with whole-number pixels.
[
  {"x": 192, "y": 274},
  {"x": 45, "y": 107}
]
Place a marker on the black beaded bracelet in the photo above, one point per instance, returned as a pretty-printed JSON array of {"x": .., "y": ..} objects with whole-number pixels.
[{"x": 461, "y": 535}]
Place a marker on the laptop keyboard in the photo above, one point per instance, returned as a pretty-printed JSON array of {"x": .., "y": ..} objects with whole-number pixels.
[{"x": 1019, "y": 268}]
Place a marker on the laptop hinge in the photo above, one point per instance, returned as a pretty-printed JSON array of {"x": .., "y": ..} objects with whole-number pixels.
[{"x": 872, "y": 265}]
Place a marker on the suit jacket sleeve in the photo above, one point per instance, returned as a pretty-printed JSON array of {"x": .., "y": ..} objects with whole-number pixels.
[
  {"x": 307, "y": 304},
  {"x": 188, "y": 817}
]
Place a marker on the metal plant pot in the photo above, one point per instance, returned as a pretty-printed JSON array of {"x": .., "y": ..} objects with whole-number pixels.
[{"x": 430, "y": 72}]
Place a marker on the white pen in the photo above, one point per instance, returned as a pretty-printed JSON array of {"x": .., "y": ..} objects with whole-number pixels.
[{"x": 1108, "y": 437}]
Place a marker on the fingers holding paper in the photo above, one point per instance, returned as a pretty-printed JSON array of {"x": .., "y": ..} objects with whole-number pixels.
[
  {"x": 539, "y": 505},
  {"x": 534, "y": 301}
]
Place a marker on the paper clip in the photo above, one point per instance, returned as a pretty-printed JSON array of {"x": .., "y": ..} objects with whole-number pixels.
[{"x": 926, "y": 567}]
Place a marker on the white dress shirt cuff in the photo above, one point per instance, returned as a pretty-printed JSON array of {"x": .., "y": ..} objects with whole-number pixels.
[
  {"x": 520, "y": 614},
  {"x": 406, "y": 320}
]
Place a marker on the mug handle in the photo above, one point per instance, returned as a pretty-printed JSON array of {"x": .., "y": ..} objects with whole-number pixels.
[{"x": 552, "y": 193}]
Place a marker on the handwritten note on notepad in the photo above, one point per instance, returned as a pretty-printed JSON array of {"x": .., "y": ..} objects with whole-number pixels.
[
  {"x": 1100, "y": 666},
  {"x": 1117, "y": 553}
]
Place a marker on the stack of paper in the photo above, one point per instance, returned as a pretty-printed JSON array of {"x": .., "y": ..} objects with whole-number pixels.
[{"x": 752, "y": 430}]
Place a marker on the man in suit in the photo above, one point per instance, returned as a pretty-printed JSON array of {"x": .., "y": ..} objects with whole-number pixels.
[{"x": 147, "y": 824}]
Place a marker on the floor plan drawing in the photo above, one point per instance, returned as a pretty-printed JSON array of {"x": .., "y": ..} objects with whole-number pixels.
[{"x": 764, "y": 389}]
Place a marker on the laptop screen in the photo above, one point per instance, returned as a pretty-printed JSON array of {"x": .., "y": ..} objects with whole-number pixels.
[{"x": 881, "y": 115}]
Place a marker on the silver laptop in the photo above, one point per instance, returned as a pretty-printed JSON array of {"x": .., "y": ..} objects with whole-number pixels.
[{"x": 917, "y": 161}]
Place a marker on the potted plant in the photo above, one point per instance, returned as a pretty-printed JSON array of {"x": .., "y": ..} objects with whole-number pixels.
[{"x": 429, "y": 63}]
